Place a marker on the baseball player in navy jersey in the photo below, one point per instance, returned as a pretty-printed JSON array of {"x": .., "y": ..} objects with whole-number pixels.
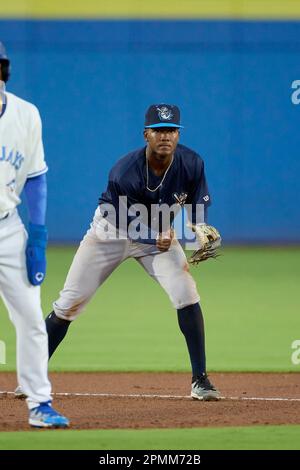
[
  {"x": 162, "y": 173},
  {"x": 22, "y": 255}
]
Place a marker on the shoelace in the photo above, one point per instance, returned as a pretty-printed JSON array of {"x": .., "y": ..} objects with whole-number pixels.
[
  {"x": 203, "y": 382},
  {"x": 44, "y": 409}
]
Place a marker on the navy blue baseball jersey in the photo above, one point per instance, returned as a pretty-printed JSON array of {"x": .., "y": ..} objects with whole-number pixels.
[{"x": 185, "y": 177}]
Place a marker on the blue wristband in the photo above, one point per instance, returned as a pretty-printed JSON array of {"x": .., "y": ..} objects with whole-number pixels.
[{"x": 36, "y": 253}]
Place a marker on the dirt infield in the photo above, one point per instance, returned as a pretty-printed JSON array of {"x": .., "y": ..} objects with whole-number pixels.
[{"x": 121, "y": 400}]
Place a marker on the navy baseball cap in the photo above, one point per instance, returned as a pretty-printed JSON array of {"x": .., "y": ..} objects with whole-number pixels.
[{"x": 162, "y": 115}]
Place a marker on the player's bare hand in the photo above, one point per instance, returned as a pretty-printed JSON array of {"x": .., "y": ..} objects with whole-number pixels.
[{"x": 164, "y": 240}]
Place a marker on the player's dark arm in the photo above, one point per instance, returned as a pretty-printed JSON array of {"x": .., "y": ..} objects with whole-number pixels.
[{"x": 36, "y": 197}]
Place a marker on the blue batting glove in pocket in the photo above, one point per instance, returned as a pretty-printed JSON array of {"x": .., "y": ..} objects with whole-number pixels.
[{"x": 36, "y": 253}]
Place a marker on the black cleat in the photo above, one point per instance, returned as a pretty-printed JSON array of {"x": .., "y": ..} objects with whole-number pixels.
[{"x": 202, "y": 389}]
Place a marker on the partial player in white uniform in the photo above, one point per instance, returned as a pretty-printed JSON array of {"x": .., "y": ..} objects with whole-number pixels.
[{"x": 22, "y": 255}]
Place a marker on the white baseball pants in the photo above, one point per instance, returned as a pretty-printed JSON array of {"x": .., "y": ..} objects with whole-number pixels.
[
  {"x": 24, "y": 307},
  {"x": 100, "y": 253}
]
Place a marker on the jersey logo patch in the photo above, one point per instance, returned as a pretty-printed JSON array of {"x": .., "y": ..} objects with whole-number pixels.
[
  {"x": 180, "y": 198},
  {"x": 164, "y": 113},
  {"x": 39, "y": 276},
  {"x": 206, "y": 198}
]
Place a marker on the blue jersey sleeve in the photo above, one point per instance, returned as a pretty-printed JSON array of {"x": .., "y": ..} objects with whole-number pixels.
[{"x": 36, "y": 195}]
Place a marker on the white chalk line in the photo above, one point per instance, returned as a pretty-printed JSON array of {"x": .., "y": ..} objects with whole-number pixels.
[{"x": 168, "y": 397}]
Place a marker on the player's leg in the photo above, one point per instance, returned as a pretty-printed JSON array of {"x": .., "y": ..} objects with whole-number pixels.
[
  {"x": 23, "y": 303},
  {"x": 94, "y": 261},
  {"x": 171, "y": 270}
]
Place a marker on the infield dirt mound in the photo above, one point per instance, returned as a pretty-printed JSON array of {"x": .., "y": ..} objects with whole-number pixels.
[{"x": 115, "y": 411}]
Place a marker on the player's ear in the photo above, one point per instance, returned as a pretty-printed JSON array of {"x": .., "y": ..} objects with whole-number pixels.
[{"x": 145, "y": 135}]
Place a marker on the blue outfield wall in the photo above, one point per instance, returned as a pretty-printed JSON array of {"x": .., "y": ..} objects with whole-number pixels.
[{"x": 93, "y": 80}]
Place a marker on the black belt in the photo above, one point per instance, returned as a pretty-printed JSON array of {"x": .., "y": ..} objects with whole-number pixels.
[{"x": 5, "y": 217}]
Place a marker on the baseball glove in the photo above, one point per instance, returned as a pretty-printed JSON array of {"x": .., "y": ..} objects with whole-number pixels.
[{"x": 209, "y": 241}]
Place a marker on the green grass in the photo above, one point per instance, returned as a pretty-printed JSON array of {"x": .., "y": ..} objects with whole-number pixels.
[
  {"x": 257, "y": 437},
  {"x": 250, "y": 301}
]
